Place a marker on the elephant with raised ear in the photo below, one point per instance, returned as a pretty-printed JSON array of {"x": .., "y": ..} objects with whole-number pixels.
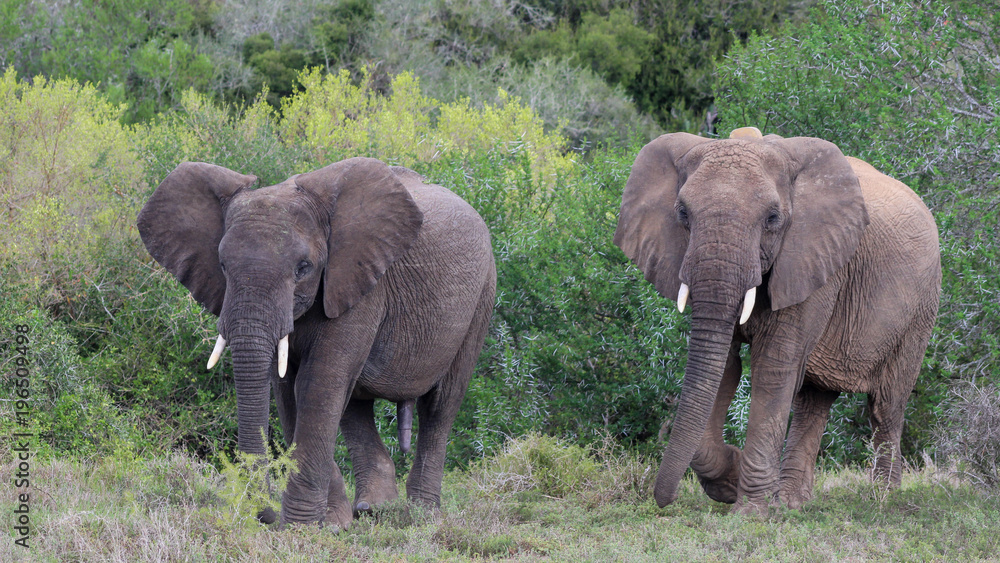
[
  {"x": 336, "y": 287},
  {"x": 827, "y": 268}
]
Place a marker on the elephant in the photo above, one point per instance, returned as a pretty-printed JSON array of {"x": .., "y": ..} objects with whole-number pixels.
[
  {"x": 335, "y": 287},
  {"x": 828, "y": 269}
]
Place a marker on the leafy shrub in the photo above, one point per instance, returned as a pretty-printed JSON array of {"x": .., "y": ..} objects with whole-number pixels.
[
  {"x": 335, "y": 119},
  {"x": 595, "y": 113},
  {"x": 676, "y": 82},
  {"x": 275, "y": 69},
  {"x": 581, "y": 344},
  {"x": 68, "y": 188},
  {"x": 612, "y": 46},
  {"x": 69, "y": 412},
  {"x": 243, "y": 139}
]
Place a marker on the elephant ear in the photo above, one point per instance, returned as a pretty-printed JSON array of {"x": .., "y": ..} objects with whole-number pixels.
[
  {"x": 648, "y": 230},
  {"x": 182, "y": 224},
  {"x": 827, "y": 220},
  {"x": 373, "y": 222}
]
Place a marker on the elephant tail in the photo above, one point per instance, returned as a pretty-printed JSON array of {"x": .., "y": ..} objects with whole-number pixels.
[{"x": 404, "y": 422}]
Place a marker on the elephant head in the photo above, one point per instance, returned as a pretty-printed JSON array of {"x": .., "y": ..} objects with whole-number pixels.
[
  {"x": 711, "y": 221},
  {"x": 258, "y": 259}
]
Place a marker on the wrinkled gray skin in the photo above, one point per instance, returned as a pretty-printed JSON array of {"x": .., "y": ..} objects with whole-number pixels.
[
  {"x": 848, "y": 275},
  {"x": 383, "y": 284}
]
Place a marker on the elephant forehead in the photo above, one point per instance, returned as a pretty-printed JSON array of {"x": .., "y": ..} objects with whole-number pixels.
[
  {"x": 736, "y": 167},
  {"x": 282, "y": 202},
  {"x": 738, "y": 156}
]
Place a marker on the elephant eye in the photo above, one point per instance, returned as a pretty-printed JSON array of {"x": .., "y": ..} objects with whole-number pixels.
[
  {"x": 682, "y": 215},
  {"x": 302, "y": 269},
  {"x": 773, "y": 219},
  {"x": 223, "y": 266}
]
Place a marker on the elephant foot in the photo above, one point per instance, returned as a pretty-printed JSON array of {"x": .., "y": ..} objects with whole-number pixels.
[
  {"x": 761, "y": 507},
  {"x": 721, "y": 490},
  {"x": 720, "y": 481},
  {"x": 794, "y": 497},
  {"x": 366, "y": 501},
  {"x": 339, "y": 519}
]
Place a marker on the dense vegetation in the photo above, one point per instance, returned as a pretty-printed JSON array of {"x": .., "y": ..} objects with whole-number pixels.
[{"x": 521, "y": 109}]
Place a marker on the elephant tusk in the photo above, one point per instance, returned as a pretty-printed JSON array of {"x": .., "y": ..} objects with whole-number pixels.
[
  {"x": 682, "y": 297},
  {"x": 748, "y": 302},
  {"x": 220, "y": 345},
  {"x": 282, "y": 356}
]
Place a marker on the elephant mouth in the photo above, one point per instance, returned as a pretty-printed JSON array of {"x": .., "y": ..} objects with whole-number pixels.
[
  {"x": 748, "y": 301},
  {"x": 220, "y": 345}
]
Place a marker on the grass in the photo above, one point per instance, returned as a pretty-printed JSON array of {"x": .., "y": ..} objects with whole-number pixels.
[{"x": 171, "y": 509}]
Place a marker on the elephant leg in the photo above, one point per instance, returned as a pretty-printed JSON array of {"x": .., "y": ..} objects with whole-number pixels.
[
  {"x": 887, "y": 404},
  {"x": 323, "y": 386},
  {"x": 284, "y": 398},
  {"x": 778, "y": 354},
  {"x": 436, "y": 410},
  {"x": 810, "y": 411},
  {"x": 374, "y": 471},
  {"x": 717, "y": 463},
  {"x": 316, "y": 493}
]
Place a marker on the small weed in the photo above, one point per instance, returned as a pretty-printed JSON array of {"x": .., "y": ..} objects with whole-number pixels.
[{"x": 252, "y": 483}]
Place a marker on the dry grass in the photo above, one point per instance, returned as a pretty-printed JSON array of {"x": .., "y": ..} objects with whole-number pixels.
[
  {"x": 171, "y": 509},
  {"x": 970, "y": 438}
]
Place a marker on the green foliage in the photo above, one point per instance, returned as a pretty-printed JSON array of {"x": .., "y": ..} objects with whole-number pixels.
[
  {"x": 134, "y": 49},
  {"x": 252, "y": 483},
  {"x": 612, "y": 46},
  {"x": 594, "y": 113},
  {"x": 912, "y": 88},
  {"x": 580, "y": 344},
  {"x": 165, "y": 69},
  {"x": 334, "y": 118},
  {"x": 246, "y": 140},
  {"x": 67, "y": 190},
  {"x": 275, "y": 69},
  {"x": 338, "y": 31},
  {"x": 69, "y": 412},
  {"x": 676, "y": 82}
]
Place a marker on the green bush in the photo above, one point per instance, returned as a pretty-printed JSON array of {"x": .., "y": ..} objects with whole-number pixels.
[
  {"x": 68, "y": 188},
  {"x": 676, "y": 82},
  {"x": 335, "y": 119},
  {"x": 612, "y": 46},
  {"x": 580, "y": 343},
  {"x": 596, "y": 113}
]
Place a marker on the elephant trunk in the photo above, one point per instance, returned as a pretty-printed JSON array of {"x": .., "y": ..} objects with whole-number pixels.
[
  {"x": 707, "y": 354},
  {"x": 252, "y": 362},
  {"x": 716, "y": 291},
  {"x": 253, "y": 323}
]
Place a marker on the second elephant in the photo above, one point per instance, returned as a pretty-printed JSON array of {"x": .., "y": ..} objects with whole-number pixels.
[{"x": 830, "y": 271}]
